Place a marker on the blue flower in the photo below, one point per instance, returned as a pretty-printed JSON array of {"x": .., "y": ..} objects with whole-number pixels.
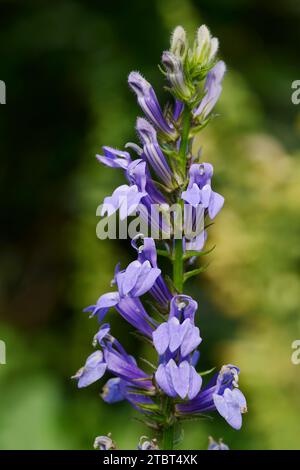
[
  {"x": 147, "y": 252},
  {"x": 231, "y": 405},
  {"x": 125, "y": 198},
  {"x": 220, "y": 394},
  {"x": 213, "y": 89},
  {"x": 178, "y": 380},
  {"x": 199, "y": 190},
  {"x": 92, "y": 371},
  {"x": 134, "y": 281},
  {"x": 149, "y": 103},
  {"x": 114, "y": 158},
  {"x": 153, "y": 152},
  {"x": 213, "y": 445},
  {"x": 113, "y": 358},
  {"x": 175, "y": 341},
  {"x": 114, "y": 390},
  {"x": 173, "y": 335},
  {"x": 183, "y": 307}
]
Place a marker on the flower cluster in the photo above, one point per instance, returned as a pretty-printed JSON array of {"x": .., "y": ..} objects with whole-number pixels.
[{"x": 161, "y": 170}]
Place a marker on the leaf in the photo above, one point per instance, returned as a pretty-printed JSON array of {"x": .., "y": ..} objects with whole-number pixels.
[
  {"x": 148, "y": 363},
  {"x": 198, "y": 128},
  {"x": 139, "y": 391},
  {"x": 141, "y": 337},
  {"x": 152, "y": 407},
  {"x": 191, "y": 254},
  {"x": 164, "y": 253},
  {"x": 206, "y": 372},
  {"x": 194, "y": 272},
  {"x": 148, "y": 423}
]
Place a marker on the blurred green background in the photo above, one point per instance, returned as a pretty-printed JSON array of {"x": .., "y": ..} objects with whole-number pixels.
[{"x": 65, "y": 64}]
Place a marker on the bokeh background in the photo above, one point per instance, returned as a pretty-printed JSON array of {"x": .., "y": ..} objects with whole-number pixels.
[{"x": 65, "y": 65}]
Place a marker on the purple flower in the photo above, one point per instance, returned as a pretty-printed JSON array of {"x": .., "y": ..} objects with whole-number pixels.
[
  {"x": 178, "y": 108},
  {"x": 213, "y": 445},
  {"x": 183, "y": 307},
  {"x": 113, "y": 391},
  {"x": 149, "y": 103},
  {"x": 117, "y": 389},
  {"x": 178, "y": 380},
  {"x": 199, "y": 190},
  {"x": 175, "y": 341},
  {"x": 173, "y": 335},
  {"x": 134, "y": 281},
  {"x": 132, "y": 310},
  {"x": 125, "y": 198},
  {"x": 212, "y": 88},
  {"x": 114, "y": 158},
  {"x": 194, "y": 196},
  {"x": 92, "y": 371},
  {"x": 139, "y": 175},
  {"x": 181, "y": 87},
  {"x": 153, "y": 152},
  {"x": 113, "y": 358},
  {"x": 195, "y": 234},
  {"x": 231, "y": 405},
  {"x": 147, "y": 252},
  {"x": 201, "y": 174},
  {"x": 124, "y": 366},
  {"x": 220, "y": 394}
]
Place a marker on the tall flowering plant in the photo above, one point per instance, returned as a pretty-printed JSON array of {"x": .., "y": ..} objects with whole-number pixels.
[{"x": 161, "y": 171}]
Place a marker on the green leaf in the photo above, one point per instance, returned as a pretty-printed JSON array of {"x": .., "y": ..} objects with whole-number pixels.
[
  {"x": 194, "y": 272},
  {"x": 206, "y": 372},
  {"x": 191, "y": 254},
  {"x": 148, "y": 407},
  {"x": 164, "y": 253},
  {"x": 148, "y": 363},
  {"x": 139, "y": 391}
]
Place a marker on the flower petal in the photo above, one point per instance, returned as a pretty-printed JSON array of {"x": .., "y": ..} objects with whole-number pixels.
[{"x": 161, "y": 338}]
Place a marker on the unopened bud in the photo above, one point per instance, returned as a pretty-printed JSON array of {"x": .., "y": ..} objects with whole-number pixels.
[
  {"x": 104, "y": 443},
  {"x": 179, "y": 43},
  {"x": 176, "y": 76},
  {"x": 206, "y": 47},
  {"x": 147, "y": 444}
]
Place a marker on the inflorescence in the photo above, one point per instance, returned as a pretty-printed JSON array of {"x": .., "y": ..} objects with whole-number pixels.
[{"x": 162, "y": 169}]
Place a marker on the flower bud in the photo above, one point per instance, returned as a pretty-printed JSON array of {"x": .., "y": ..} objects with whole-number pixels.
[
  {"x": 104, "y": 443},
  {"x": 179, "y": 42},
  {"x": 147, "y": 444},
  {"x": 176, "y": 76},
  {"x": 202, "y": 39},
  {"x": 205, "y": 49},
  {"x": 213, "y": 445}
]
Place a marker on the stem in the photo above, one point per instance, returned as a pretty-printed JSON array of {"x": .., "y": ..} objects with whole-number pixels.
[
  {"x": 178, "y": 267},
  {"x": 168, "y": 430},
  {"x": 184, "y": 138},
  {"x": 178, "y": 270},
  {"x": 168, "y": 438}
]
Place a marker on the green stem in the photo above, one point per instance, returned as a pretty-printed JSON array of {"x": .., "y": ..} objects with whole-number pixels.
[
  {"x": 178, "y": 261},
  {"x": 168, "y": 438},
  {"x": 186, "y": 122},
  {"x": 178, "y": 271},
  {"x": 178, "y": 265}
]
